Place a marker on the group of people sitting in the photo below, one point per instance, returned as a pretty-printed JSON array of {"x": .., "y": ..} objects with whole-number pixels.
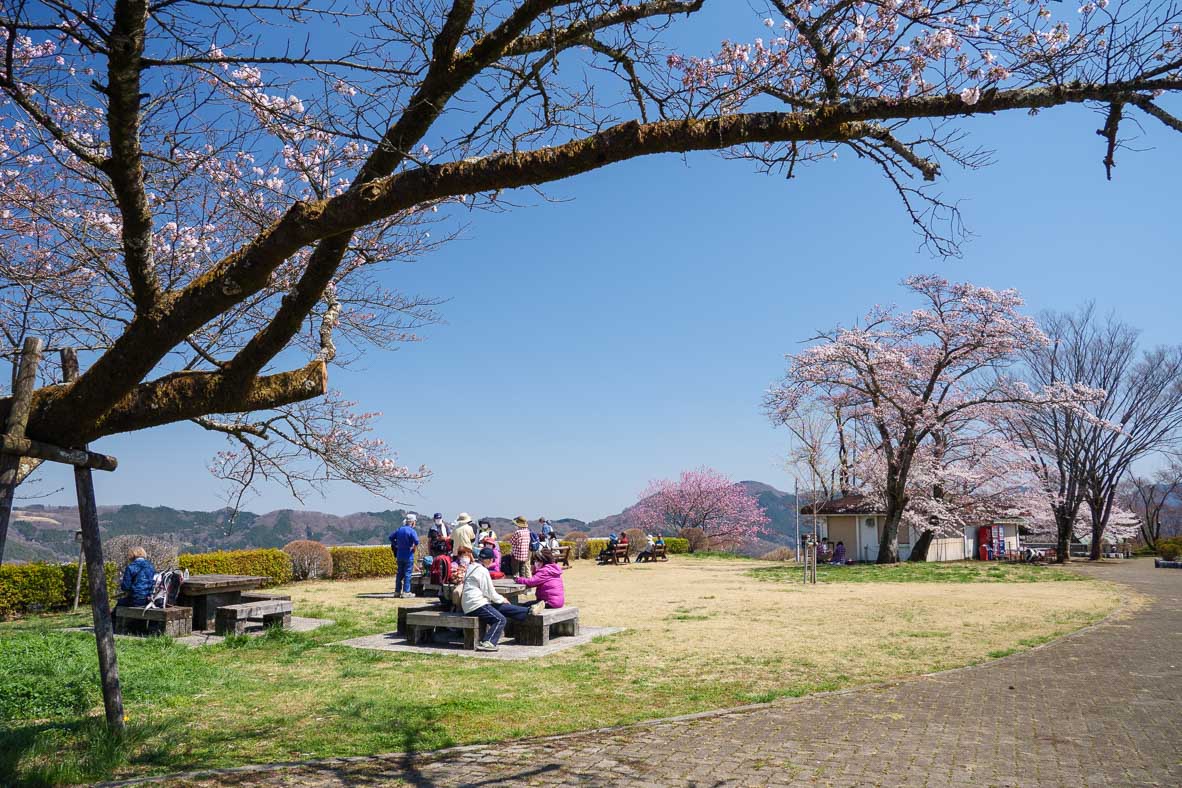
[
  {"x": 829, "y": 554},
  {"x": 621, "y": 540},
  {"x": 464, "y": 562}
]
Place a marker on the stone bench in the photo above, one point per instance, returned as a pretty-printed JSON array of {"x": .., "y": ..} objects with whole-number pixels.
[
  {"x": 537, "y": 630},
  {"x": 419, "y": 624},
  {"x": 231, "y": 619},
  {"x": 171, "y": 621}
]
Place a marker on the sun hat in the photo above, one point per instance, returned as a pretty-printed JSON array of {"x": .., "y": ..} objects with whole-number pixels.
[
  {"x": 488, "y": 540},
  {"x": 484, "y": 521},
  {"x": 463, "y": 519},
  {"x": 412, "y": 517},
  {"x": 486, "y": 554},
  {"x": 521, "y": 521}
]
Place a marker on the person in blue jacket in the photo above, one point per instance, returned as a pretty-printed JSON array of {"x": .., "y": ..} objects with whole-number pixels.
[
  {"x": 403, "y": 542},
  {"x": 139, "y": 578}
]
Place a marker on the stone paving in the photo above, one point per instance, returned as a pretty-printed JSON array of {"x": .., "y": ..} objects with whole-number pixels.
[{"x": 1103, "y": 707}]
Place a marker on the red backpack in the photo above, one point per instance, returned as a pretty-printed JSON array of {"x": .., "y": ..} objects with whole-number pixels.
[{"x": 440, "y": 570}]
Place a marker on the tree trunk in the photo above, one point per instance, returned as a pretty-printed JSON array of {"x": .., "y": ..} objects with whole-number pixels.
[
  {"x": 1063, "y": 525},
  {"x": 1097, "y": 538},
  {"x": 888, "y": 544},
  {"x": 23, "y": 382},
  {"x": 919, "y": 551}
]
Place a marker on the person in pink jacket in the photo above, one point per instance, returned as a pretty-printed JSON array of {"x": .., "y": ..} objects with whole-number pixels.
[{"x": 547, "y": 580}]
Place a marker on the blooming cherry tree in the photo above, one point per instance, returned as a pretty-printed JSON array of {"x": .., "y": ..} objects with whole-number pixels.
[
  {"x": 913, "y": 379},
  {"x": 206, "y": 197},
  {"x": 705, "y": 499}
]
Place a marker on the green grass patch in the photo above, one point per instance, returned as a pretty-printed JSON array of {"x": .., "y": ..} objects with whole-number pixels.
[{"x": 926, "y": 572}]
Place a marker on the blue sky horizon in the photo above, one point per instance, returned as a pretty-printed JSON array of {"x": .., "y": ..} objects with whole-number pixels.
[{"x": 629, "y": 331}]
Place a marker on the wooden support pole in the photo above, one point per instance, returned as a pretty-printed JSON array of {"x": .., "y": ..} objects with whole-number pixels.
[
  {"x": 79, "y": 458},
  {"x": 104, "y": 634},
  {"x": 18, "y": 417}
]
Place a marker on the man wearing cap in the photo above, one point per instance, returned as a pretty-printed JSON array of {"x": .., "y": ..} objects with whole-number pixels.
[
  {"x": 480, "y": 599},
  {"x": 519, "y": 542},
  {"x": 440, "y": 525},
  {"x": 463, "y": 535},
  {"x": 403, "y": 542}
]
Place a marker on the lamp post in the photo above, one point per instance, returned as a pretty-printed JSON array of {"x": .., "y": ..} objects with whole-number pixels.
[{"x": 78, "y": 574}]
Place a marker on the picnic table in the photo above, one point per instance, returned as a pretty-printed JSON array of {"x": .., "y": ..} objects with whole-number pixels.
[{"x": 206, "y": 593}]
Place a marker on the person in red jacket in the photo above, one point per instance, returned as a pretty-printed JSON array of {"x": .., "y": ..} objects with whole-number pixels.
[{"x": 546, "y": 582}]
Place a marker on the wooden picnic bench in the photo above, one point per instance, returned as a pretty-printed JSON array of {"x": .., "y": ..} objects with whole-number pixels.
[
  {"x": 660, "y": 552},
  {"x": 537, "y": 629},
  {"x": 564, "y": 555},
  {"x": 173, "y": 621},
  {"x": 231, "y": 619},
  {"x": 619, "y": 555},
  {"x": 206, "y": 593},
  {"x": 420, "y": 624}
]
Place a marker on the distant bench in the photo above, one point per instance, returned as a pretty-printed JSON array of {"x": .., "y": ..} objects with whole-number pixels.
[{"x": 172, "y": 621}]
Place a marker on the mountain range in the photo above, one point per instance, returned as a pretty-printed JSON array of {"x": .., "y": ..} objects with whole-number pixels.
[{"x": 46, "y": 533}]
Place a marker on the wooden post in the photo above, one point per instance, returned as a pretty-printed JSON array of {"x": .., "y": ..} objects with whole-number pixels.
[
  {"x": 22, "y": 403},
  {"x": 96, "y": 577},
  {"x": 78, "y": 576}
]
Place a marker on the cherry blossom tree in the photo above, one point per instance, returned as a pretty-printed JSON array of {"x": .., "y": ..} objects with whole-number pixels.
[
  {"x": 205, "y": 196},
  {"x": 703, "y": 498},
  {"x": 915, "y": 377}
]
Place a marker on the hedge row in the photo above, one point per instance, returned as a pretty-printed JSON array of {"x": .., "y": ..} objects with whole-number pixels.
[
  {"x": 43, "y": 588},
  {"x": 350, "y": 563},
  {"x": 270, "y": 563}
]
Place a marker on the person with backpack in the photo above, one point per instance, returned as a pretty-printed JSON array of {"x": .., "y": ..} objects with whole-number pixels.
[
  {"x": 486, "y": 530},
  {"x": 403, "y": 542},
  {"x": 520, "y": 542},
  {"x": 138, "y": 582},
  {"x": 439, "y": 524}
]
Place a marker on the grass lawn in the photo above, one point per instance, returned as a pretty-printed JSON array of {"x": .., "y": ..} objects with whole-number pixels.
[
  {"x": 701, "y": 635},
  {"x": 933, "y": 572}
]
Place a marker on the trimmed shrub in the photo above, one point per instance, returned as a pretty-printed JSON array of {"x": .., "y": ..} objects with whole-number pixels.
[
  {"x": 43, "y": 588},
  {"x": 595, "y": 547},
  {"x": 637, "y": 539},
  {"x": 310, "y": 560},
  {"x": 350, "y": 563},
  {"x": 779, "y": 554},
  {"x": 1170, "y": 549},
  {"x": 270, "y": 563},
  {"x": 161, "y": 552},
  {"x": 676, "y": 545}
]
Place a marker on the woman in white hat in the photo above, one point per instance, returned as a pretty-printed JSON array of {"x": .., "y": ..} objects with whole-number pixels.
[{"x": 463, "y": 535}]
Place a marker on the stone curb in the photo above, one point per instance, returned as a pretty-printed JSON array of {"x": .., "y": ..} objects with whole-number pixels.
[{"x": 435, "y": 755}]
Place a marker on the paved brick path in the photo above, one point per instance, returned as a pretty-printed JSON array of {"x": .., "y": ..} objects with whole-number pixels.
[{"x": 1101, "y": 708}]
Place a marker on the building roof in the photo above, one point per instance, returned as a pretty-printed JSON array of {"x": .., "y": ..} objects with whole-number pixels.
[{"x": 846, "y": 504}]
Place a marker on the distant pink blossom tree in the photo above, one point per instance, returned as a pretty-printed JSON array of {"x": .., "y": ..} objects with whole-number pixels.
[
  {"x": 702, "y": 498},
  {"x": 910, "y": 377}
]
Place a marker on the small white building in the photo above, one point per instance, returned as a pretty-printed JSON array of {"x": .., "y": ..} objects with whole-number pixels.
[{"x": 859, "y": 523}]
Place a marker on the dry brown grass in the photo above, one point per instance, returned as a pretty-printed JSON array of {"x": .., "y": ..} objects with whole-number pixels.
[{"x": 691, "y": 619}]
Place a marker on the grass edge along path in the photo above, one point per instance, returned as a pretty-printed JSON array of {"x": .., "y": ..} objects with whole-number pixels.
[{"x": 292, "y": 696}]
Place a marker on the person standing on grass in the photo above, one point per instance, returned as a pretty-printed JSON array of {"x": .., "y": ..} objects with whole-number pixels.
[
  {"x": 403, "y": 542},
  {"x": 463, "y": 535},
  {"x": 519, "y": 542},
  {"x": 480, "y": 599},
  {"x": 547, "y": 582}
]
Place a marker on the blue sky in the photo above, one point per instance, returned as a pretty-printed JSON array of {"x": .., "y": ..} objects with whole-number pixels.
[{"x": 628, "y": 333}]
